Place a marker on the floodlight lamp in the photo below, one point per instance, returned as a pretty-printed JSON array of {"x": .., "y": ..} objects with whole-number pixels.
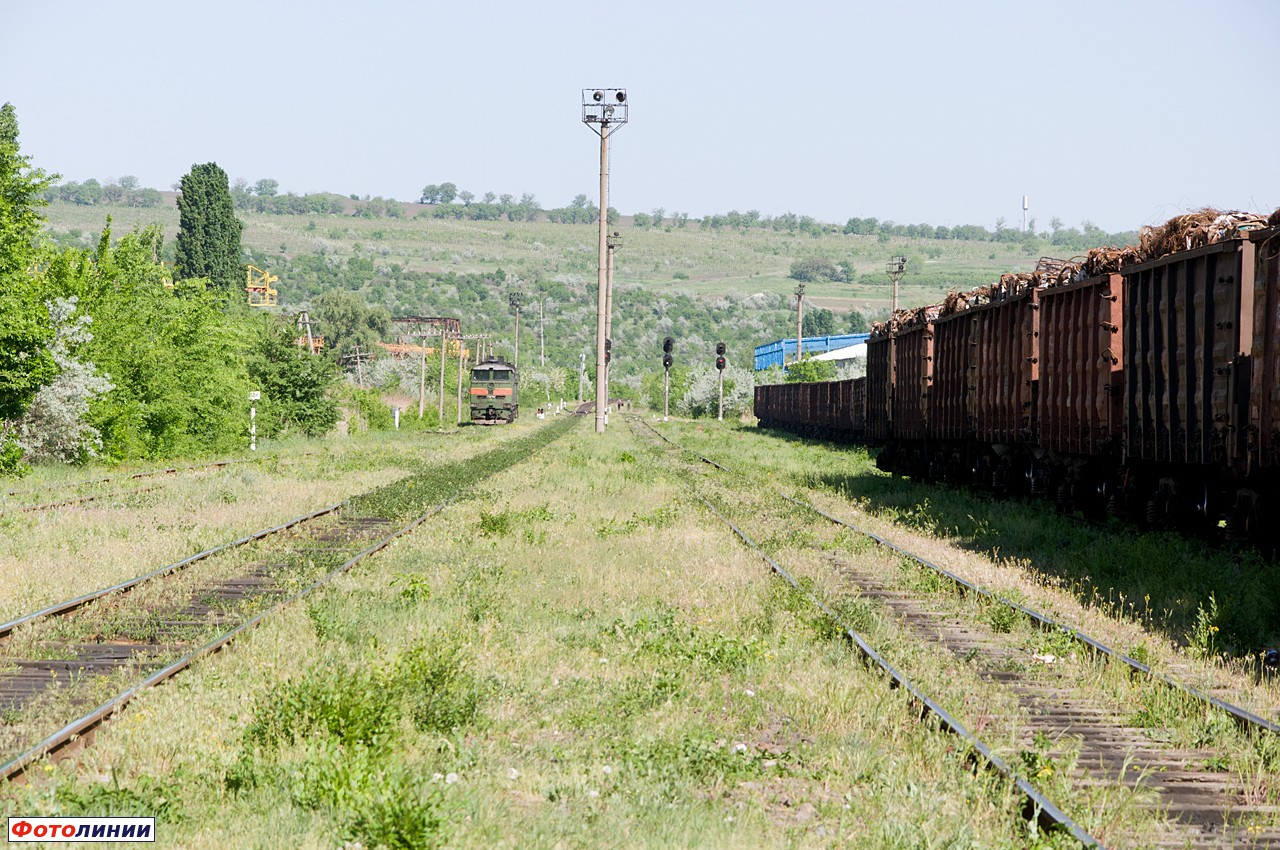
[
  {"x": 621, "y": 96},
  {"x": 608, "y": 112},
  {"x": 597, "y": 96}
]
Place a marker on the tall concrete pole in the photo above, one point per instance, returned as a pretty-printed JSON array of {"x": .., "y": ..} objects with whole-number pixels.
[
  {"x": 799, "y": 321},
  {"x": 608, "y": 304},
  {"x": 461, "y": 358},
  {"x": 602, "y": 283}
]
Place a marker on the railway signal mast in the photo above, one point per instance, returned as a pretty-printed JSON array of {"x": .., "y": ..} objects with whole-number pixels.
[
  {"x": 604, "y": 111},
  {"x": 667, "y": 360},
  {"x": 720, "y": 364}
]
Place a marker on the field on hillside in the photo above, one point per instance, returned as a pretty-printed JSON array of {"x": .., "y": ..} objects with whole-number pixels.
[{"x": 710, "y": 263}]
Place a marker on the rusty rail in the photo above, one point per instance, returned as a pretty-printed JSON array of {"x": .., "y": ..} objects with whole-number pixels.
[
  {"x": 1046, "y": 812},
  {"x": 1240, "y": 715},
  {"x": 80, "y": 601},
  {"x": 18, "y": 765}
]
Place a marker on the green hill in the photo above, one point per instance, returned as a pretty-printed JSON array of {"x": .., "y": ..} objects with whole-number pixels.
[{"x": 699, "y": 284}]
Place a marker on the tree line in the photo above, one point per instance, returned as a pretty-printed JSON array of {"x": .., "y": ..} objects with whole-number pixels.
[{"x": 449, "y": 202}]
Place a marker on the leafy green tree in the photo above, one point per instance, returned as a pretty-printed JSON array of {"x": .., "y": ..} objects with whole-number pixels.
[
  {"x": 346, "y": 322},
  {"x": 809, "y": 371},
  {"x": 819, "y": 321},
  {"x": 266, "y": 187},
  {"x": 857, "y": 322},
  {"x": 25, "y": 363},
  {"x": 814, "y": 268},
  {"x": 296, "y": 387},
  {"x": 176, "y": 356},
  {"x": 21, "y": 193},
  {"x": 128, "y": 182},
  {"x": 208, "y": 230}
]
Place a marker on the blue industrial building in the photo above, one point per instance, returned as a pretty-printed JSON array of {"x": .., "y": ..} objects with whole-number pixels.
[{"x": 776, "y": 353}]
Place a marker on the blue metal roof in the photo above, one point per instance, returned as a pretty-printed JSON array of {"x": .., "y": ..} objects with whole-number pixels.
[{"x": 774, "y": 353}]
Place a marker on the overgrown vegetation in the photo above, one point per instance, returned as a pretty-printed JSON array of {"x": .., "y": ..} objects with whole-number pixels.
[{"x": 104, "y": 353}]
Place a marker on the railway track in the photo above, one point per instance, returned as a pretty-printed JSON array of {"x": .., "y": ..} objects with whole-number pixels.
[
  {"x": 70, "y": 667},
  {"x": 1202, "y": 805}
]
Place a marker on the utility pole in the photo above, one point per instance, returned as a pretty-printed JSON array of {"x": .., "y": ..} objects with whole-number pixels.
[
  {"x": 358, "y": 357},
  {"x": 895, "y": 268},
  {"x": 799, "y": 321},
  {"x": 604, "y": 111},
  {"x": 416, "y": 327},
  {"x": 444, "y": 333},
  {"x": 461, "y": 357},
  {"x": 422, "y": 376},
  {"x": 514, "y": 300},
  {"x": 612, "y": 243},
  {"x": 479, "y": 340},
  {"x": 542, "y": 333},
  {"x": 304, "y": 321}
]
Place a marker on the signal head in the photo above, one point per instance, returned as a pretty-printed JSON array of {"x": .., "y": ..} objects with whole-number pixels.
[
  {"x": 667, "y": 360},
  {"x": 668, "y": 344},
  {"x": 720, "y": 363},
  {"x": 720, "y": 348}
]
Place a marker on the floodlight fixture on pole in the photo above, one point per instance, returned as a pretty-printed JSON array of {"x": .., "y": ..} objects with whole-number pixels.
[
  {"x": 895, "y": 268},
  {"x": 604, "y": 111}
]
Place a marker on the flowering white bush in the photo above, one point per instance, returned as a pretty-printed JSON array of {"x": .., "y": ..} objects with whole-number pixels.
[{"x": 54, "y": 426}]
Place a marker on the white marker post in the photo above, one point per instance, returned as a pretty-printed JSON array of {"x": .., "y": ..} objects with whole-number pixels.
[{"x": 253, "y": 425}]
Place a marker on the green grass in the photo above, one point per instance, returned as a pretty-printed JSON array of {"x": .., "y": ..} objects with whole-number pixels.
[{"x": 652, "y": 688}]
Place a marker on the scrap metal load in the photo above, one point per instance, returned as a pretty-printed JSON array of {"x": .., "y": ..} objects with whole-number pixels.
[{"x": 1142, "y": 380}]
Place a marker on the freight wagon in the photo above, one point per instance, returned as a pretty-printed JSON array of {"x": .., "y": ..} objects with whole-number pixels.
[{"x": 1142, "y": 382}]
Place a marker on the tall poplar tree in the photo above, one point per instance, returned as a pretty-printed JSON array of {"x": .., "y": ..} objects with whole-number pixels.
[{"x": 208, "y": 230}]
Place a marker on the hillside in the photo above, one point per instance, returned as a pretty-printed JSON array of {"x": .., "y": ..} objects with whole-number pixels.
[{"x": 697, "y": 284}]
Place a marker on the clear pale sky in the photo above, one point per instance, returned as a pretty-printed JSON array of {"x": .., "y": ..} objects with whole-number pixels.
[{"x": 938, "y": 112}]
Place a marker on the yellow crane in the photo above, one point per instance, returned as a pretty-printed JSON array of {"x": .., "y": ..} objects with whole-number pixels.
[{"x": 259, "y": 287}]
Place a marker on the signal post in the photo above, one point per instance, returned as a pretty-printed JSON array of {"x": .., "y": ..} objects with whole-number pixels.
[
  {"x": 720, "y": 364},
  {"x": 667, "y": 360}
]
